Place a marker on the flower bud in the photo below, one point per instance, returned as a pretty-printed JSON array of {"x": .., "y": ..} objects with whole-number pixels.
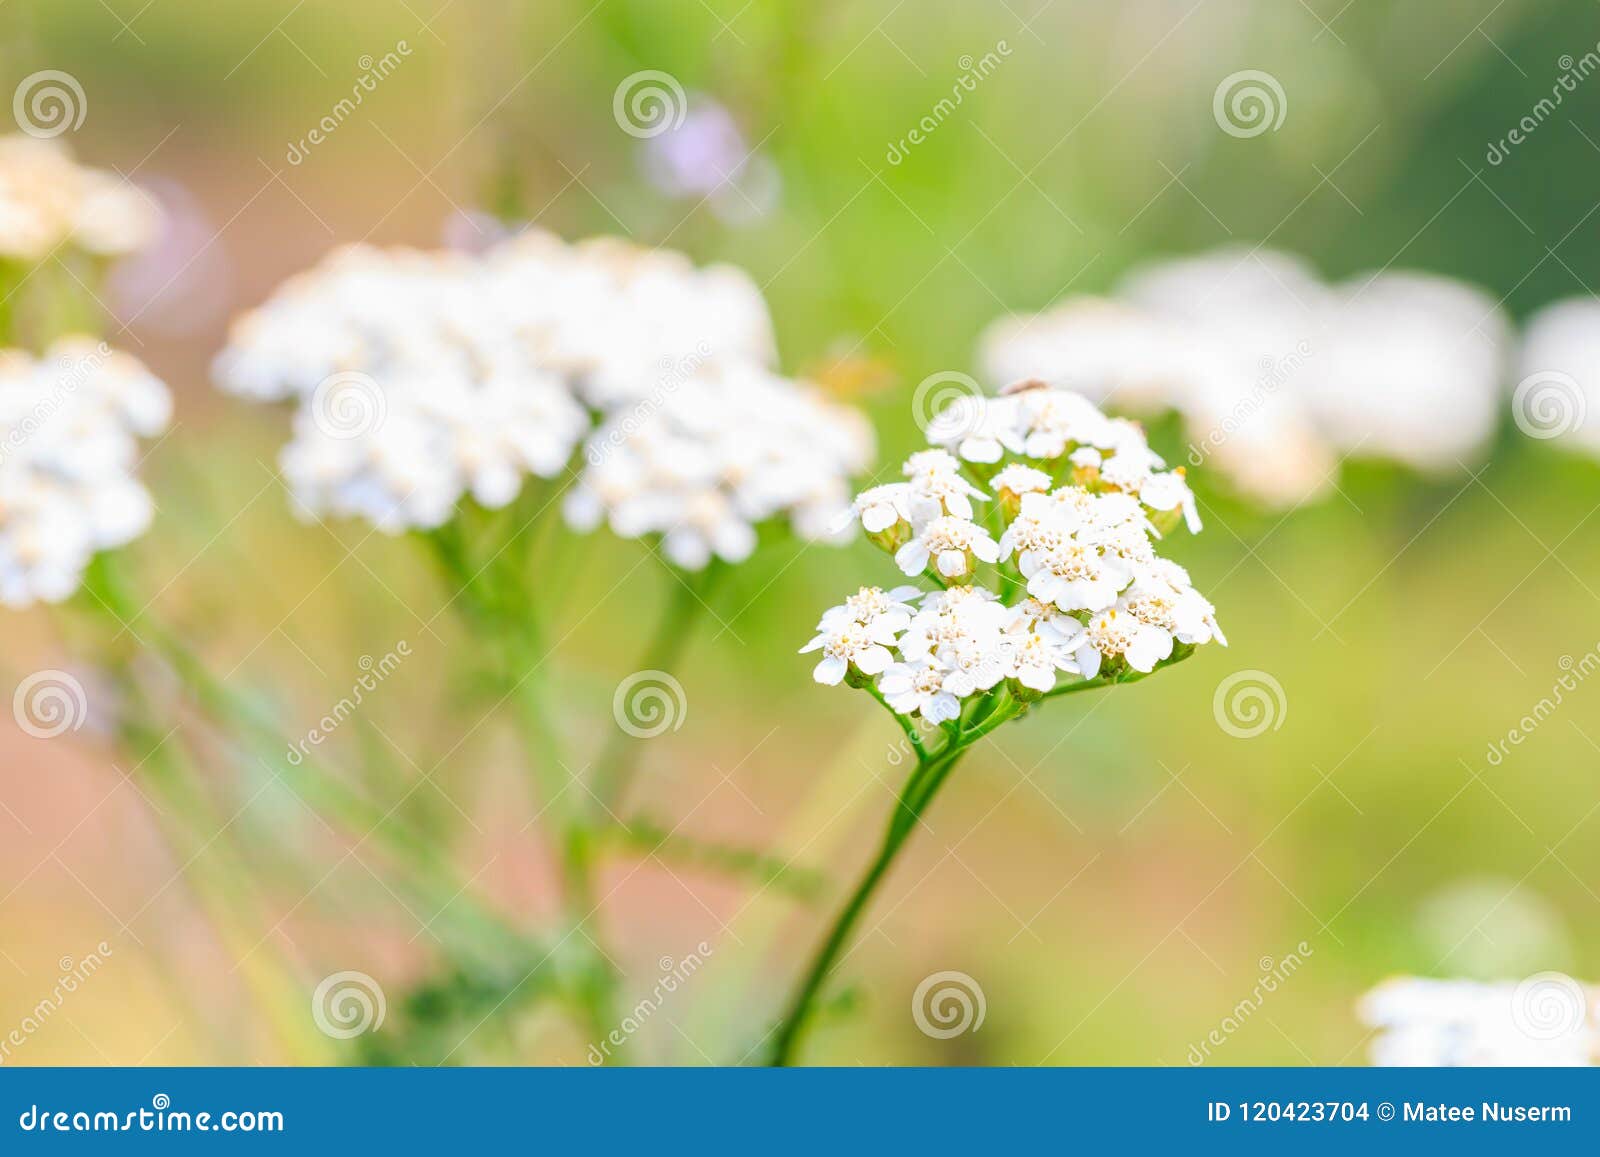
[{"x": 892, "y": 538}]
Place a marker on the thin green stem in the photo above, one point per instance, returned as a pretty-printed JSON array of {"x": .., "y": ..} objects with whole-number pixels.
[
  {"x": 654, "y": 839},
  {"x": 427, "y": 876},
  {"x": 618, "y": 762},
  {"x": 915, "y": 797}
]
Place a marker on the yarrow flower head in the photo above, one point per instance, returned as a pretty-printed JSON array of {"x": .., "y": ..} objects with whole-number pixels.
[
  {"x": 48, "y": 200},
  {"x": 1042, "y": 558},
  {"x": 70, "y": 424},
  {"x": 423, "y": 378}
]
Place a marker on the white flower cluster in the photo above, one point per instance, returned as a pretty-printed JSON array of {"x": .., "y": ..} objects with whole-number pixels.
[
  {"x": 423, "y": 377},
  {"x": 1276, "y": 373},
  {"x": 1557, "y": 395},
  {"x": 48, "y": 200},
  {"x": 70, "y": 424},
  {"x": 1066, "y": 537},
  {"x": 1548, "y": 1020},
  {"x": 734, "y": 446}
]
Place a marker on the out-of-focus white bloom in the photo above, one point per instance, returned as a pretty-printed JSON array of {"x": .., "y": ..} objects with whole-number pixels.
[
  {"x": 70, "y": 424},
  {"x": 1072, "y": 584},
  {"x": 1108, "y": 351},
  {"x": 419, "y": 444},
  {"x": 1557, "y": 393},
  {"x": 1276, "y": 373},
  {"x": 612, "y": 319},
  {"x": 725, "y": 450},
  {"x": 1413, "y": 373},
  {"x": 1546, "y": 1020},
  {"x": 479, "y": 370},
  {"x": 47, "y": 200}
]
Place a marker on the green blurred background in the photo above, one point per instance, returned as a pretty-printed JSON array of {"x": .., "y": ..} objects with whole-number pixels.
[{"x": 1115, "y": 873}]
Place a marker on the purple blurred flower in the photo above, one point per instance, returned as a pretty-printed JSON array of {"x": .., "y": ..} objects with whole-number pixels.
[{"x": 707, "y": 157}]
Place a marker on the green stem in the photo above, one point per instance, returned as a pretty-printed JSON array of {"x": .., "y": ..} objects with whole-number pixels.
[
  {"x": 653, "y": 839},
  {"x": 618, "y": 763},
  {"x": 428, "y": 877},
  {"x": 496, "y": 609},
  {"x": 919, "y": 791}
]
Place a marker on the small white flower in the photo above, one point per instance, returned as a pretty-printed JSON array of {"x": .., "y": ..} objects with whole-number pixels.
[
  {"x": 952, "y": 543},
  {"x": 874, "y": 608},
  {"x": 1037, "y": 653},
  {"x": 849, "y": 644},
  {"x": 1116, "y": 631},
  {"x": 917, "y": 688},
  {"x": 934, "y": 474},
  {"x": 881, "y": 507},
  {"x": 1020, "y": 479}
]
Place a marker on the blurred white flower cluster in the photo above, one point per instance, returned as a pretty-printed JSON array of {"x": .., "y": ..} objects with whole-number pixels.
[
  {"x": 1546, "y": 1020},
  {"x": 1039, "y": 531},
  {"x": 48, "y": 201},
  {"x": 1557, "y": 395},
  {"x": 1277, "y": 374},
  {"x": 70, "y": 424},
  {"x": 422, "y": 377},
  {"x": 736, "y": 445}
]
